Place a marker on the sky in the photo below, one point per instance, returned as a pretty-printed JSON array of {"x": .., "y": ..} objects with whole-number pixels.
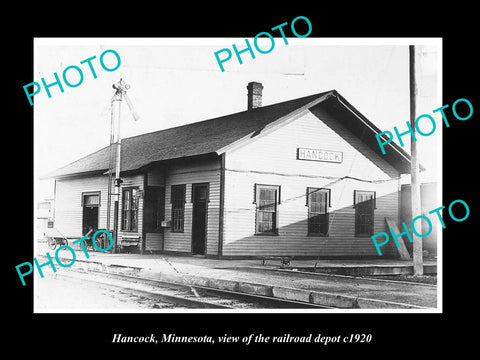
[{"x": 176, "y": 81}]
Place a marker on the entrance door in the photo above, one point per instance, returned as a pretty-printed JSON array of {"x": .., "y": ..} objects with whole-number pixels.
[
  {"x": 199, "y": 218},
  {"x": 90, "y": 203}
]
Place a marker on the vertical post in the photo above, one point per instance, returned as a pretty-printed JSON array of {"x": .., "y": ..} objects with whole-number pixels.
[
  {"x": 221, "y": 207},
  {"x": 110, "y": 167},
  {"x": 115, "y": 226},
  {"x": 116, "y": 109},
  {"x": 144, "y": 207},
  {"x": 415, "y": 183},
  {"x": 120, "y": 90}
]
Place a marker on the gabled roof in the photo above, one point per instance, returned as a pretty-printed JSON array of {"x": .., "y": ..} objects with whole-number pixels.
[{"x": 214, "y": 135}]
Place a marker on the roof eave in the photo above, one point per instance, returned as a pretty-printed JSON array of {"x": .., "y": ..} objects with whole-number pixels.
[
  {"x": 72, "y": 175},
  {"x": 402, "y": 155}
]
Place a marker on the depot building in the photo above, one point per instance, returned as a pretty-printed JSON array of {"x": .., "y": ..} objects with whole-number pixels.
[{"x": 303, "y": 178}]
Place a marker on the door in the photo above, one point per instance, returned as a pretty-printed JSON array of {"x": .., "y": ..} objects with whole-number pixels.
[
  {"x": 154, "y": 208},
  {"x": 90, "y": 204},
  {"x": 199, "y": 218}
]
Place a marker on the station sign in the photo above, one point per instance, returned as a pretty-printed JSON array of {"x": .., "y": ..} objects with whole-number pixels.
[{"x": 319, "y": 155}]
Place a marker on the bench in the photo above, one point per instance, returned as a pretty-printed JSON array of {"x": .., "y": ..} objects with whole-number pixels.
[
  {"x": 128, "y": 242},
  {"x": 284, "y": 260}
]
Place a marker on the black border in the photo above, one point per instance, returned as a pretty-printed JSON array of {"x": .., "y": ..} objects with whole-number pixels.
[{"x": 407, "y": 334}]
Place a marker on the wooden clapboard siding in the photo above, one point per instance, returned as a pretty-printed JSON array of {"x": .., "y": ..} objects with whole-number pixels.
[
  {"x": 271, "y": 160},
  {"x": 310, "y": 247},
  {"x": 190, "y": 173},
  {"x": 68, "y": 203},
  {"x": 153, "y": 241},
  {"x": 155, "y": 177},
  {"x": 277, "y": 151}
]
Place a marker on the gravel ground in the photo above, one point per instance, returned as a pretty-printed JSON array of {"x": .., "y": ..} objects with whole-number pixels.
[{"x": 67, "y": 294}]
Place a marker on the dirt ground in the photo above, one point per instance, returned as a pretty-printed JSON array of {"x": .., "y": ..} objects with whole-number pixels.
[{"x": 422, "y": 279}]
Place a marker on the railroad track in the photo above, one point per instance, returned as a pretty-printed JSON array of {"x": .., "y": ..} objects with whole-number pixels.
[{"x": 188, "y": 296}]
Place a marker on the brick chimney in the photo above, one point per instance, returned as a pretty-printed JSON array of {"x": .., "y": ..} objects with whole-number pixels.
[{"x": 254, "y": 95}]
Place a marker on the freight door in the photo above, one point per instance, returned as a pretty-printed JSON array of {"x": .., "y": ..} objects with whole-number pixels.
[{"x": 199, "y": 218}]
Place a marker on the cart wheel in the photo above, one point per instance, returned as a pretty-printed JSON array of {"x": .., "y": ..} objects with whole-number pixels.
[
  {"x": 65, "y": 242},
  {"x": 52, "y": 243},
  {"x": 100, "y": 240}
]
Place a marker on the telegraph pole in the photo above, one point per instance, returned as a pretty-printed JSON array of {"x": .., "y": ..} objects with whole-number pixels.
[{"x": 415, "y": 182}]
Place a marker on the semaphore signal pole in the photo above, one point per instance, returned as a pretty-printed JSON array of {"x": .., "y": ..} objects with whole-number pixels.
[
  {"x": 120, "y": 92},
  {"x": 415, "y": 183}
]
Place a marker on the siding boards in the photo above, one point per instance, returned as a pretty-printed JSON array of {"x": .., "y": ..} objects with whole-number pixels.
[
  {"x": 69, "y": 210},
  {"x": 68, "y": 203},
  {"x": 271, "y": 160},
  {"x": 68, "y": 207},
  {"x": 155, "y": 177},
  {"x": 153, "y": 241}
]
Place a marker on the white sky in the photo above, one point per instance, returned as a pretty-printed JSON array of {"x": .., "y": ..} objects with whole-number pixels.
[{"x": 178, "y": 81}]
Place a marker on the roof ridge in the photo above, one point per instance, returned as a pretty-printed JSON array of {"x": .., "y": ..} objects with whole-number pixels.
[{"x": 232, "y": 114}]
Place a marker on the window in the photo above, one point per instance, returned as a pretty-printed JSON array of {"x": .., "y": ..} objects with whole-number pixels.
[
  {"x": 318, "y": 201},
  {"x": 178, "y": 207},
  {"x": 130, "y": 200},
  {"x": 266, "y": 197},
  {"x": 364, "y": 203},
  {"x": 91, "y": 198}
]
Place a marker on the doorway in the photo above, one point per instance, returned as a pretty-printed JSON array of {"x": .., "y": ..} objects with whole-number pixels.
[
  {"x": 90, "y": 204},
  {"x": 199, "y": 218}
]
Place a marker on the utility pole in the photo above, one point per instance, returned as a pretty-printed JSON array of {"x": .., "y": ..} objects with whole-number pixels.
[{"x": 415, "y": 182}]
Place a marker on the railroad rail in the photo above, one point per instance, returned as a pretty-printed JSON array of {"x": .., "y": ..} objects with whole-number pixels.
[{"x": 189, "y": 296}]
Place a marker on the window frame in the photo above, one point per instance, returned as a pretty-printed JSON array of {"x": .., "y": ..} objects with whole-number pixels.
[
  {"x": 131, "y": 213},
  {"x": 173, "y": 219},
  {"x": 88, "y": 193},
  {"x": 328, "y": 204},
  {"x": 256, "y": 201},
  {"x": 194, "y": 185}
]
